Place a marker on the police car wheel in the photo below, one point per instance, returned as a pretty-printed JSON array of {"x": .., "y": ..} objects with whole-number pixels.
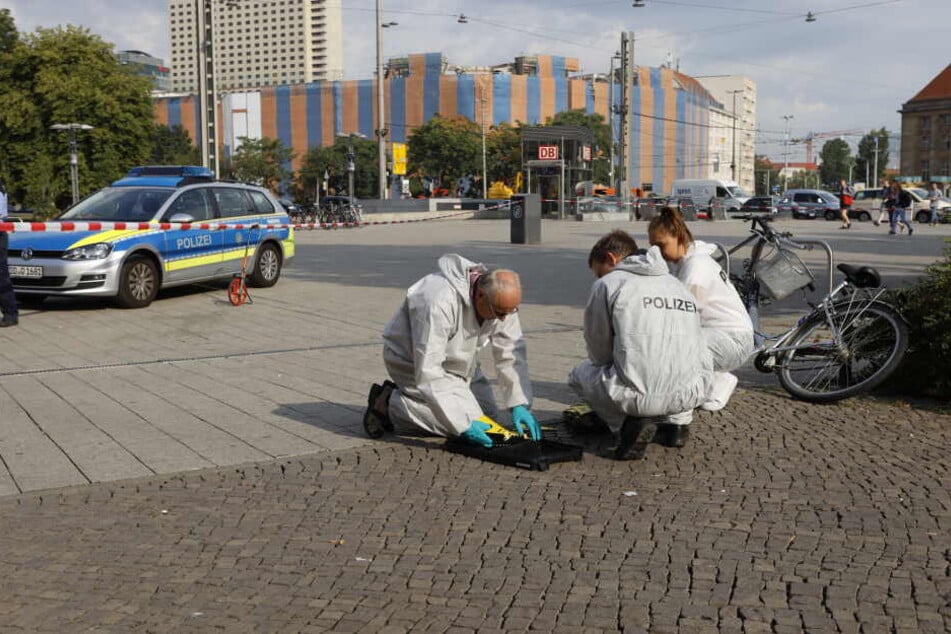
[
  {"x": 267, "y": 267},
  {"x": 138, "y": 283}
]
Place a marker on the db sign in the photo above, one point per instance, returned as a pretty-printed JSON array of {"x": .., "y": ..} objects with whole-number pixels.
[
  {"x": 586, "y": 153},
  {"x": 548, "y": 152}
]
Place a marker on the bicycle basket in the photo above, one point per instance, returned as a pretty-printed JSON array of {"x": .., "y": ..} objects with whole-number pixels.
[{"x": 782, "y": 274}]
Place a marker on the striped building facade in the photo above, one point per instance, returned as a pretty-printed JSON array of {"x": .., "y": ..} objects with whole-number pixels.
[{"x": 671, "y": 112}]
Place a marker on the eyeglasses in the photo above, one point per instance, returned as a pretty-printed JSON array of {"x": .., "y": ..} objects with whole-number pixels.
[{"x": 495, "y": 314}]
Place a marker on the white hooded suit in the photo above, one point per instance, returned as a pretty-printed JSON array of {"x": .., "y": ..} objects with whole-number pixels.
[
  {"x": 430, "y": 352},
  {"x": 646, "y": 353}
]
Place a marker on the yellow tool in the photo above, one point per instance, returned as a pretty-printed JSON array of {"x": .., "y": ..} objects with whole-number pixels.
[{"x": 495, "y": 428}]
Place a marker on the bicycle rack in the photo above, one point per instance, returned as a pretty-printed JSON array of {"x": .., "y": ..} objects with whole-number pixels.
[{"x": 726, "y": 257}]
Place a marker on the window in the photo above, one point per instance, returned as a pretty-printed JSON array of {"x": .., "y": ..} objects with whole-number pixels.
[
  {"x": 261, "y": 203},
  {"x": 233, "y": 202},
  {"x": 195, "y": 203}
]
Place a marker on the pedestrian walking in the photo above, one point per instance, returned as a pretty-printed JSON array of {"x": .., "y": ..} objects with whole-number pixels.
[
  {"x": 934, "y": 195},
  {"x": 8, "y": 301},
  {"x": 846, "y": 195},
  {"x": 901, "y": 202},
  {"x": 885, "y": 210}
]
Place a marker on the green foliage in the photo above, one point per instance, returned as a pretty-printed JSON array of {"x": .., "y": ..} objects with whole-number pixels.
[
  {"x": 835, "y": 158},
  {"x": 263, "y": 162},
  {"x": 173, "y": 146},
  {"x": 503, "y": 153},
  {"x": 767, "y": 175},
  {"x": 333, "y": 162},
  {"x": 67, "y": 75},
  {"x": 446, "y": 149},
  {"x": 927, "y": 308},
  {"x": 8, "y": 32},
  {"x": 865, "y": 156},
  {"x": 602, "y": 137}
]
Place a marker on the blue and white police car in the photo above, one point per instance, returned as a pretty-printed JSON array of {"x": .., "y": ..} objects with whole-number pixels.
[{"x": 131, "y": 265}]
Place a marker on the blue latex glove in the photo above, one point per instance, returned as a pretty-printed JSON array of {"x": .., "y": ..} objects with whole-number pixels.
[
  {"x": 521, "y": 416},
  {"x": 476, "y": 434}
]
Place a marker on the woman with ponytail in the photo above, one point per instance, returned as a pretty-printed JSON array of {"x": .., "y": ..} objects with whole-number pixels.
[{"x": 726, "y": 325}]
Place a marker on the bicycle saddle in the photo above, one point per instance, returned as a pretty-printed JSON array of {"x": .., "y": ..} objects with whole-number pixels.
[{"x": 861, "y": 276}]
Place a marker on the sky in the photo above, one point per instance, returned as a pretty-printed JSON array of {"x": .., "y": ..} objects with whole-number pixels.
[{"x": 850, "y": 69}]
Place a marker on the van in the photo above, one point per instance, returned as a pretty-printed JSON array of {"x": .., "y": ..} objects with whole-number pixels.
[{"x": 702, "y": 191}]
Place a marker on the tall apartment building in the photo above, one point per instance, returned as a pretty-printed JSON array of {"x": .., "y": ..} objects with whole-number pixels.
[
  {"x": 740, "y": 91},
  {"x": 258, "y": 43}
]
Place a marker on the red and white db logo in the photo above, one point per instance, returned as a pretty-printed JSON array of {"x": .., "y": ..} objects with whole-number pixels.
[{"x": 548, "y": 152}]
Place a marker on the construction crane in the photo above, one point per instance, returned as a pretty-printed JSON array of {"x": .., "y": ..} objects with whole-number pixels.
[{"x": 812, "y": 136}]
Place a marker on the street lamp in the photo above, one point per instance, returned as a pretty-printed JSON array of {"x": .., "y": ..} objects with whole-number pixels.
[
  {"x": 485, "y": 175},
  {"x": 733, "y": 160},
  {"x": 380, "y": 103},
  {"x": 787, "y": 117},
  {"x": 611, "y": 113},
  {"x": 351, "y": 161},
  {"x": 73, "y": 154}
]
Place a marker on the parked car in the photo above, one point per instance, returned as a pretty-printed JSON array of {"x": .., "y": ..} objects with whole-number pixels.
[
  {"x": 131, "y": 265},
  {"x": 759, "y": 204},
  {"x": 599, "y": 204},
  {"x": 869, "y": 201},
  {"x": 647, "y": 208},
  {"x": 809, "y": 203}
]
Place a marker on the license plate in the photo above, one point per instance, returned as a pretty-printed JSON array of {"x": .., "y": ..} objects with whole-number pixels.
[{"x": 26, "y": 271}]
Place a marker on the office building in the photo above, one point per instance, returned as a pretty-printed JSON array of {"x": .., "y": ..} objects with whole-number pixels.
[
  {"x": 670, "y": 130},
  {"x": 258, "y": 43},
  {"x": 738, "y": 91},
  {"x": 926, "y": 132},
  {"x": 144, "y": 64}
]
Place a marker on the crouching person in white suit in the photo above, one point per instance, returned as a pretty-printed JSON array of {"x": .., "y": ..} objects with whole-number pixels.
[
  {"x": 647, "y": 362},
  {"x": 726, "y": 324},
  {"x": 430, "y": 352}
]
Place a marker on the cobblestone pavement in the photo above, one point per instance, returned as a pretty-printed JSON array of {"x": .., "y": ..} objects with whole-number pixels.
[
  {"x": 779, "y": 516},
  {"x": 199, "y": 467}
]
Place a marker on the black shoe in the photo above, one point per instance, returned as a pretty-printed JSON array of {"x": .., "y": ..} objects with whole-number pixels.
[
  {"x": 581, "y": 418},
  {"x": 374, "y": 423},
  {"x": 670, "y": 435},
  {"x": 636, "y": 434},
  {"x": 8, "y": 321}
]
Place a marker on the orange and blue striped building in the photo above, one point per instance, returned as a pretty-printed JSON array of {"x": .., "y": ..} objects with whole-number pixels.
[{"x": 669, "y": 139}]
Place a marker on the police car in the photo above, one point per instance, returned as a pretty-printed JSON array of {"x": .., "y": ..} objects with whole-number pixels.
[{"x": 131, "y": 265}]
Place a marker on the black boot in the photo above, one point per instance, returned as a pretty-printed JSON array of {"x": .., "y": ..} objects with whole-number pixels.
[
  {"x": 636, "y": 434},
  {"x": 375, "y": 419},
  {"x": 670, "y": 435}
]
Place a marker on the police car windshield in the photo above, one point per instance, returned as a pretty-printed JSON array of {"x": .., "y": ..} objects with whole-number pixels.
[{"x": 123, "y": 204}]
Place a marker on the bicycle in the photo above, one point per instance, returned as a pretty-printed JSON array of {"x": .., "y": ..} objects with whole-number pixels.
[{"x": 850, "y": 342}]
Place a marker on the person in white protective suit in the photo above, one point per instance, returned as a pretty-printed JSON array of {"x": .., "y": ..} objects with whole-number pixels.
[
  {"x": 726, "y": 324},
  {"x": 647, "y": 362},
  {"x": 430, "y": 353}
]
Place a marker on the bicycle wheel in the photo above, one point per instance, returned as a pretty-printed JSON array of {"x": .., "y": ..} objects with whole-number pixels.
[{"x": 825, "y": 367}]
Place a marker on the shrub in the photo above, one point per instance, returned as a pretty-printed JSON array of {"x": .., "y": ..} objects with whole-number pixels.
[{"x": 927, "y": 308}]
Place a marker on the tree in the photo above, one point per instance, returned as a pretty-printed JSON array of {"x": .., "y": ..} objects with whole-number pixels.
[
  {"x": 836, "y": 158},
  {"x": 767, "y": 175},
  {"x": 446, "y": 149},
  {"x": 173, "y": 146},
  {"x": 67, "y": 75},
  {"x": 602, "y": 138},
  {"x": 9, "y": 37},
  {"x": 865, "y": 156},
  {"x": 503, "y": 153},
  {"x": 262, "y": 161}
]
